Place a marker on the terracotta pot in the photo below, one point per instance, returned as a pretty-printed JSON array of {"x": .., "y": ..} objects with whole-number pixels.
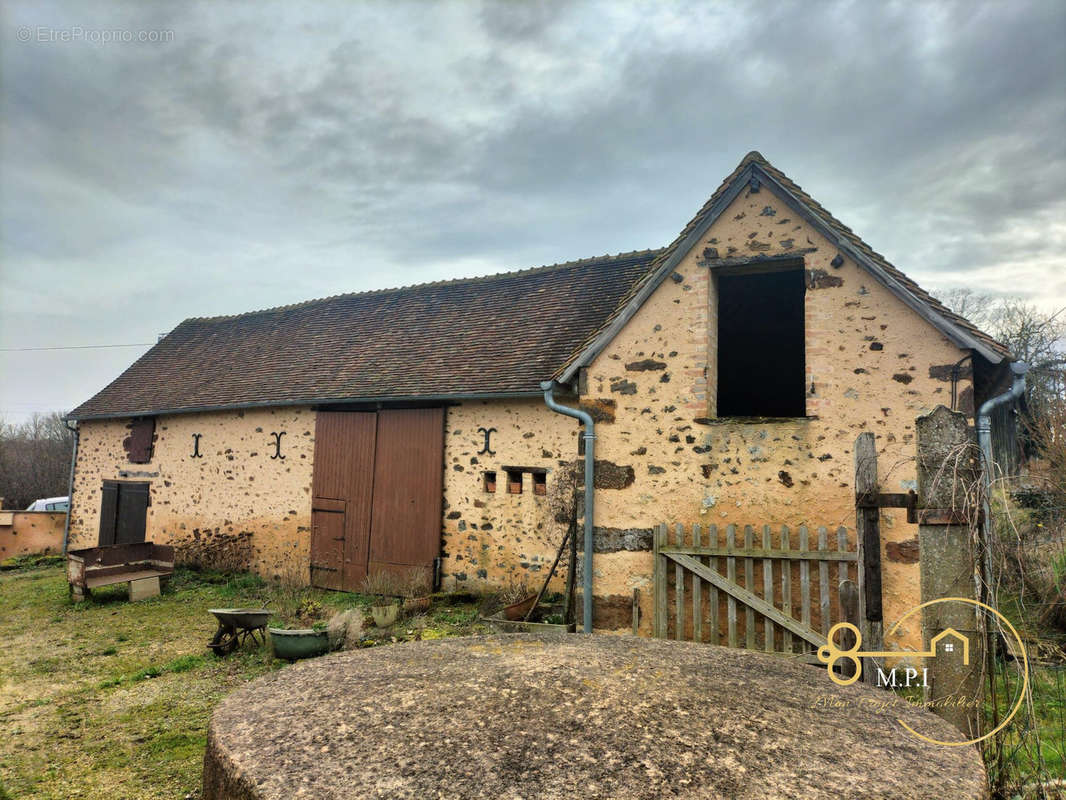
[
  {"x": 520, "y": 609},
  {"x": 417, "y": 605}
]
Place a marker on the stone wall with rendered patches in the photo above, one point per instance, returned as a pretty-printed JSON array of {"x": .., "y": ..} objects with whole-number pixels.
[
  {"x": 234, "y": 507},
  {"x": 31, "y": 533},
  {"x": 872, "y": 364},
  {"x": 491, "y": 540}
]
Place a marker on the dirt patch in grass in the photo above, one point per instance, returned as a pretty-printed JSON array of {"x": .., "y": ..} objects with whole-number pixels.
[{"x": 108, "y": 698}]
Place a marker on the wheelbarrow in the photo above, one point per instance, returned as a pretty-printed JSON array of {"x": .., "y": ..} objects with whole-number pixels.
[{"x": 236, "y": 625}]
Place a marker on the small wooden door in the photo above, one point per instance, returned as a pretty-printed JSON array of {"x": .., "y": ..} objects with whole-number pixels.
[
  {"x": 327, "y": 543},
  {"x": 123, "y": 512},
  {"x": 408, "y": 474}
]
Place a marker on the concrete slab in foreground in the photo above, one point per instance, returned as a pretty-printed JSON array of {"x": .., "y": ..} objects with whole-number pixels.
[{"x": 527, "y": 716}]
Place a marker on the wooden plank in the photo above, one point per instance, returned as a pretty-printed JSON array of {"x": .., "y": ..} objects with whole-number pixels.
[
  {"x": 731, "y": 576},
  {"x": 758, "y": 552},
  {"x": 767, "y": 591},
  {"x": 749, "y": 599},
  {"x": 108, "y": 513},
  {"x": 712, "y": 590},
  {"x": 679, "y": 587},
  {"x": 805, "y": 580},
  {"x": 659, "y": 621},
  {"x": 842, "y": 546},
  {"x": 848, "y": 594},
  {"x": 697, "y": 593},
  {"x": 786, "y": 590},
  {"x": 749, "y": 584},
  {"x": 95, "y": 581},
  {"x": 823, "y": 579}
]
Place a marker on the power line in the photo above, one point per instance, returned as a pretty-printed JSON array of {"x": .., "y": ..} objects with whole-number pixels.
[{"x": 73, "y": 347}]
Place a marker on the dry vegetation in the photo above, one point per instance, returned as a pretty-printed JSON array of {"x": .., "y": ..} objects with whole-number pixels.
[{"x": 1028, "y": 583}]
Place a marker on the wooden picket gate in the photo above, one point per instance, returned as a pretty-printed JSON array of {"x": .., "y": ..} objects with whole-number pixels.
[{"x": 787, "y": 608}]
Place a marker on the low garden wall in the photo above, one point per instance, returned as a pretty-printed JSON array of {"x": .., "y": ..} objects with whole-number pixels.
[{"x": 25, "y": 533}]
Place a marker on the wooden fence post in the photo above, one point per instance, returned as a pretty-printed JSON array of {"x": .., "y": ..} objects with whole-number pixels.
[
  {"x": 659, "y": 589},
  {"x": 947, "y": 462},
  {"x": 868, "y": 546},
  {"x": 849, "y": 612}
]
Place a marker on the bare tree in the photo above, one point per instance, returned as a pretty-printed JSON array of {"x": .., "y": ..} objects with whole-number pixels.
[
  {"x": 1036, "y": 337},
  {"x": 34, "y": 459}
]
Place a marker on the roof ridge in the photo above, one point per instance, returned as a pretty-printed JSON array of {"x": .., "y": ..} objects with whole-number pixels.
[
  {"x": 443, "y": 282},
  {"x": 912, "y": 285},
  {"x": 755, "y": 159}
]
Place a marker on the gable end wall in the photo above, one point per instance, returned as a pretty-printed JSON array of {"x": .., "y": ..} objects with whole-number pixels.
[{"x": 868, "y": 361}]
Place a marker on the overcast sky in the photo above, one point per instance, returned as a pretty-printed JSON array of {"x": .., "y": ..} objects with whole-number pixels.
[{"x": 162, "y": 161}]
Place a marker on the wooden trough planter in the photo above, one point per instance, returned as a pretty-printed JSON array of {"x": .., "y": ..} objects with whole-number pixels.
[
  {"x": 518, "y": 626},
  {"x": 505, "y": 622}
]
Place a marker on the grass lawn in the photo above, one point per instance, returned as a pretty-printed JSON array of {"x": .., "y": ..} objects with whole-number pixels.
[{"x": 108, "y": 698}]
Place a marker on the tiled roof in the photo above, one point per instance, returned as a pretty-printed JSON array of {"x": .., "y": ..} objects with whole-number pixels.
[
  {"x": 937, "y": 310},
  {"x": 841, "y": 229},
  {"x": 496, "y": 335},
  {"x": 500, "y": 334}
]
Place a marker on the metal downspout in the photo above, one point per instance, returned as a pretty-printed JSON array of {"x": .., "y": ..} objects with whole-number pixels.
[
  {"x": 70, "y": 484},
  {"x": 590, "y": 491},
  {"x": 984, "y": 442},
  {"x": 984, "y": 419}
]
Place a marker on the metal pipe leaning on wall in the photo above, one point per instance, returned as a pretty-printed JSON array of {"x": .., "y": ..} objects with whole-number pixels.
[
  {"x": 590, "y": 491},
  {"x": 70, "y": 483}
]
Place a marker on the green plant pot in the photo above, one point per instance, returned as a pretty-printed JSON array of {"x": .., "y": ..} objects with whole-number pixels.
[{"x": 303, "y": 643}]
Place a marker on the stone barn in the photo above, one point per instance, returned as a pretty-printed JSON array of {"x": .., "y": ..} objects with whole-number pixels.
[{"x": 728, "y": 375}]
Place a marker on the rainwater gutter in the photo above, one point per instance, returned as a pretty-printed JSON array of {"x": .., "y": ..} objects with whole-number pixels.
[
  {"x": 70, "y": 484},
  {"x": 590, "y": 490},
  {"x": 984, "y": 417},
  {"x": 984, "y": 442}
]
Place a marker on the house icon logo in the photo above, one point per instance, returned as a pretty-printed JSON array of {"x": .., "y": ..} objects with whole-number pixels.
[
  {"x": 829, "y": 654},
  {"x": 948, "y": 643}
]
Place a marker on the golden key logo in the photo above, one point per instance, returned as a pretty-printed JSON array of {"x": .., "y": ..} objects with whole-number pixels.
[{"x": 830, "y": 654}]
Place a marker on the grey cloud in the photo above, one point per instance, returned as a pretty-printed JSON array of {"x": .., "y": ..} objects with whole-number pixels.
[{"x": 271, "y": 153}]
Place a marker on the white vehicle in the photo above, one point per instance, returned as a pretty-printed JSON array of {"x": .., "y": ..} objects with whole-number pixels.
[{"x": 50, "y": 504}]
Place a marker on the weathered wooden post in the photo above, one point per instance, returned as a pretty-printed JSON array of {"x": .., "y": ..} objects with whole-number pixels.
[
  {"x": 947, "y": 466},
  {"x": 849, "y": 612},
  {"x": 659, "y": 587},
  {"x": 868, "y": 547}
]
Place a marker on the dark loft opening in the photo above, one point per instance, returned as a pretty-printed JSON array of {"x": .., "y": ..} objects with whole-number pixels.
[
  {"x": 490, "y": 481},
  {"x": 761, "y": 370}
]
